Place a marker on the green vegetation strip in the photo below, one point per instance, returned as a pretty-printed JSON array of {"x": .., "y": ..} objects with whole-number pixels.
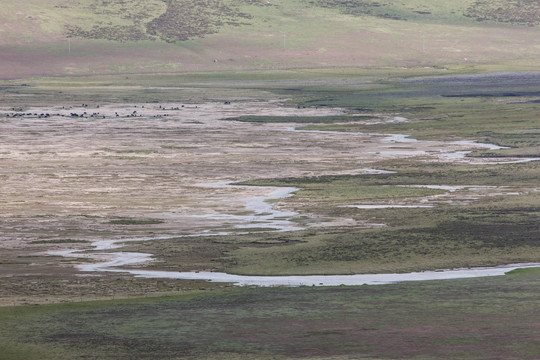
[
  {"x": 58, "y": 241},
  {"x": 453, "y": 237},
  {"x": 128, "y": 221}
]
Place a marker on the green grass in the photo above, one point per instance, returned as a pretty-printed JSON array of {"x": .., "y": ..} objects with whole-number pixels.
[
  {"x": 134, "y": 36},
  {"x": 489, "y": 232},
  {"x": 407, "y": 173},
  {"x": 460, "y": 319},
  {"x": 502, "y": 110},
  {"x": 182, "y": 20},
  {"x": 437, "y": 240}
]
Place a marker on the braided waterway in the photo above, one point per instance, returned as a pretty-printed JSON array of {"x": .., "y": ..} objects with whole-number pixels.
[
  {"x": 295, "y": 152},
  {"x": 267, "y": 216}
]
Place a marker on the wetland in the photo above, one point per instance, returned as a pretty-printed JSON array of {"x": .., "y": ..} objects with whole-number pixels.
[{"x": 397, "y": 175}]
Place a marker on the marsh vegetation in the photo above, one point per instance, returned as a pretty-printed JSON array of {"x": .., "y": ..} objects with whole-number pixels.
[{"x": 154, "y": 176}]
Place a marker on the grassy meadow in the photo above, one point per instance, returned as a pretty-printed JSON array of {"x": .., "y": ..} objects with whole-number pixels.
[
  {"x": 489, "y": 318},
  {"x": 91, "y": 37}
]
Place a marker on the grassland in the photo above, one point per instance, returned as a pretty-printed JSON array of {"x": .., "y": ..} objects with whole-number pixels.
[
  {"x": 472, "y": 227},
  {"x": 490, "y": 318},
  {"x": 88, "y": 37},
  {"x": 181, "y": 20},
  {"x": 469, "y": 228}
]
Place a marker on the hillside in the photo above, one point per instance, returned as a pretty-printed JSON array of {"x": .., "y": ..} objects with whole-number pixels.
[{"x": 56, "y": 37}]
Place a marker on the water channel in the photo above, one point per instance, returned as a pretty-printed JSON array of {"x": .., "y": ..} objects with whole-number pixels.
[{"x": 264, "y": 215}]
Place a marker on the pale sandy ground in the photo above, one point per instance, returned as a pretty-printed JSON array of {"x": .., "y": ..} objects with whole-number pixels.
[{"x": 66, "y": 177}]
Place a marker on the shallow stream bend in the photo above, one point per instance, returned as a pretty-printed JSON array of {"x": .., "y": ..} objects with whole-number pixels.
[
  {"x": 268, "y": 216},
  {"x": 115, "y": 260}
]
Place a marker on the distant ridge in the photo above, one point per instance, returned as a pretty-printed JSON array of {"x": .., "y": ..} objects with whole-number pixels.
[{"x": 61, "y": 37}]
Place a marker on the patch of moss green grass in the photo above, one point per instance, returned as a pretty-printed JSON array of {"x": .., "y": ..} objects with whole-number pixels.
[
  {"x": 410, "y": 173},
  {"x": 458, "y": 319},
  {"x": 450, "y": 241},
  {"x": 58, "y": 241}
]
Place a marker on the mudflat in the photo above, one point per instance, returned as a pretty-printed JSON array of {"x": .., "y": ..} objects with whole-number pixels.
[{"x": 87, "y": 172}]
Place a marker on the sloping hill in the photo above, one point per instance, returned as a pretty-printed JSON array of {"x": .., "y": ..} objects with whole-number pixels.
[{"x": 115, "y": 36}]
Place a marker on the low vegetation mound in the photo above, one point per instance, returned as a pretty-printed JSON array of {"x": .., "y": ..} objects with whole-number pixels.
[
  {"x": 181, "y": 20},
  {"x": 523, "y": 12},
  {"x": 115, "y": 32},
  {"x": 176, "y": 20},
  {"x": 352, "y": 7},
  {"x": 186, "y": 18}
]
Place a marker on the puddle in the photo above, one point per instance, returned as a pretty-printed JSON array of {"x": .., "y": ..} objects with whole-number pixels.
[{"x": 263, "y": 215}]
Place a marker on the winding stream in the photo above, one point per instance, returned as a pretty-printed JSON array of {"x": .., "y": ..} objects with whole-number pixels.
[
  {"x": 112, "y": 261},
  {"x": 270, "y": 217},
  {"x": 315, "y": 280}
]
